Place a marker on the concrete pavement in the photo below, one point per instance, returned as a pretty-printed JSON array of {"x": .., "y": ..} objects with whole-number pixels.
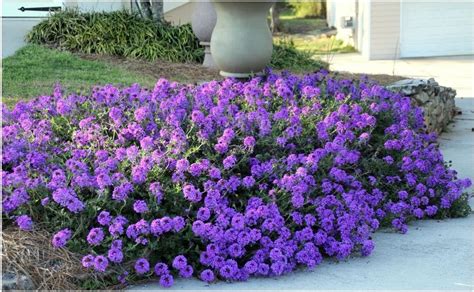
[
  {"x": 454, "y": 71},
  {"x": 433, "y": 255}
]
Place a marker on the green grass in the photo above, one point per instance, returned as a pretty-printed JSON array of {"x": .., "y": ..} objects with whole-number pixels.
[
  {"x": 292, "y": 24},
  {"x": 318, "y": 45},
  {"x": 34, "y": 70},
  {"x": 304, "y": 32}
]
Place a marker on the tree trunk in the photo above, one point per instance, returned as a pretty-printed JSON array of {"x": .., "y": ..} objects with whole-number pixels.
[
  {"x": 275, "y": 18},
  {"x": 145, "y": 9},
  {"x": 157, "y": 7},
  {"x": 152, "y": 9}
]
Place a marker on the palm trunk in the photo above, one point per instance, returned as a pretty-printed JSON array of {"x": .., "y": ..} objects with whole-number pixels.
[{"x": 275, "y": 18}]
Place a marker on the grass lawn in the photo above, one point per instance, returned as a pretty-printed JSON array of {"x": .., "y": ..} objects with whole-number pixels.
[
  {"x": 317, "y": 45},
  {"x": 293, "y": 24},
  {"x": 34, "y": 70},
  {"x": 306, "y": 35}
]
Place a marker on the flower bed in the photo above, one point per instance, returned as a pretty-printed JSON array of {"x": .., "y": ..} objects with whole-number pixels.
[{"x": 224, "y": 180}]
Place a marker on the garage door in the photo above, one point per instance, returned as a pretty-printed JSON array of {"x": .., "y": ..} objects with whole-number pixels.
[{"x": 436, "y": 28}]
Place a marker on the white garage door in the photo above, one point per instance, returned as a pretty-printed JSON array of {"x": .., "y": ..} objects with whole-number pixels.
[{"x": 436, "y": 28}]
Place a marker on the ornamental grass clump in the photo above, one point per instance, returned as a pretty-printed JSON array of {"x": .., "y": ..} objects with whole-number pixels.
[{"x": 223, "y": 180}]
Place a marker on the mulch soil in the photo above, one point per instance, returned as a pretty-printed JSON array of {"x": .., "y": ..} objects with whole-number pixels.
[{"x": 195, "y": 73}]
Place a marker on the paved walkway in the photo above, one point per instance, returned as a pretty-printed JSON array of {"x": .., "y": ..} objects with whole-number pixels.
[
  {"x": 433, "y": 255},
  {"x": 456, "y": 72}
]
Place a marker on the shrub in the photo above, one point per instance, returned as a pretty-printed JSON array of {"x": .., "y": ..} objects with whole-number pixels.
[
  {"x": 287, "y": 57},
  {"x": 118, "y": 33},
  {"x": 123, "y": 34},
  {"x": 314, "y": 8},
  {"x": 223, "y": 180}
]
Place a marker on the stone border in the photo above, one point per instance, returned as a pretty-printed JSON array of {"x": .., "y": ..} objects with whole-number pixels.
[{"x": 437, "y": 101}]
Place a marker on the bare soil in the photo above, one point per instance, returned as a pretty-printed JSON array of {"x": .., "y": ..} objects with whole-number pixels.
[
  {"x": 195, "y": 73},
  {"x": 182, "y": 72}
]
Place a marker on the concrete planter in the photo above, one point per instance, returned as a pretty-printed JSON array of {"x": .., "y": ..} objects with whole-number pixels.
[
  {"x": 203, "y": 23},
  {"x": 241, "y": 43}
]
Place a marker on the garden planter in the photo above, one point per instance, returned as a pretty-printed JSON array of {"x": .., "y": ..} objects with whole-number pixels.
[
  {"x": 203, "y": 23},
  {"x": 241, "y": 43}
]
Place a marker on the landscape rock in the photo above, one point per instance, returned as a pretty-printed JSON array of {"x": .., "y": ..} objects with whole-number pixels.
[
  {"x": 13, "y": 281},
  {"x": 437, "y": 101}
]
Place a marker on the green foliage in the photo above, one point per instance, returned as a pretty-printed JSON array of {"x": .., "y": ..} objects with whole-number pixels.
[
  {"x": 287, "y": 56},
  {"x": 313, "y": 8},
  {"x": 459, "y": 208},
  {"x": 118, "y": 33}
]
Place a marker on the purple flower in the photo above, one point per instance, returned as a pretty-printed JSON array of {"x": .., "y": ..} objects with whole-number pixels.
[
  {"x": 180, "y": 262},
  {"x": 312, "y": 187},
  {"x": 251, "y": 267},
  {"x": 227, "y": 271},
  {"x": 229, "y": 161},
  {"x": 203, "y": 214},
  {"x": 115, "y": 255},
  {"x": 115, "y": 114},
  {"x": 186, "y": 272},
  {"x": 122, "y": 278},
  {"x": 88, "y": 261},
  {"x": 24, "y": 222},
  {"x": 141, "y": 114},
  {"x": 207, "y": 275},
  {"x": 142, "y": 266},
  {"x": 155, "y": 189},
  {"x": 104, "y": 218},
  {"x": 95, "y": 236},
  {"x": 166, "y": 280},
  {"x": 61, "y": 238},
  {"x": 238, "y": 221},
  {"x": 191, "y": 193},
  {"x": 140, "y": 206},
  {"x": 248, "y": 182},
  {"x": 178, "y": 223},
  {"x": 100, "y": 263},
  {"x": 161, "y": 269},
  {"x": 249, "y": 142}
]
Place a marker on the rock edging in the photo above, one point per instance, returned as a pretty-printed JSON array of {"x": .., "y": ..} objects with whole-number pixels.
[{"x": 437, "y": 101}]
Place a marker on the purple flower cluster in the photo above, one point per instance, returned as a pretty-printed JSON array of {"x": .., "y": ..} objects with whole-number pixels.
[{"x": 223, "y": 180}]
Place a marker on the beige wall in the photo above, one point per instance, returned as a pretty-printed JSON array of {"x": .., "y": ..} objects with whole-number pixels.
[
  {"x": 384, "y": 30},
  {"x": 362, "y": 27}
]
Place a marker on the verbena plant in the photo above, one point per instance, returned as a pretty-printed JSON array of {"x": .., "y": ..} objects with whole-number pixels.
[{"x": 223, "y": 180}]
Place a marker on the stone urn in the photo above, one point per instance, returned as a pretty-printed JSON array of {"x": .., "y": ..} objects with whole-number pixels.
[
  {"x": 203, "y": 22},
  {"x": 241, "y": 43}
]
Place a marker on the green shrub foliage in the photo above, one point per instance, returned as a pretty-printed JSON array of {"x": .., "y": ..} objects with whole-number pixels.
[
  {"x": 118, "y": 33},
  {"x": 286, "y": 56},
  {"x": 121, "y": 33},
  {"x": 304, "y": 8}
]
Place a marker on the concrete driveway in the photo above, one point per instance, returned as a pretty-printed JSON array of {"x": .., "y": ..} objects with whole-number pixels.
[{"x": 456, "y": 72}]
